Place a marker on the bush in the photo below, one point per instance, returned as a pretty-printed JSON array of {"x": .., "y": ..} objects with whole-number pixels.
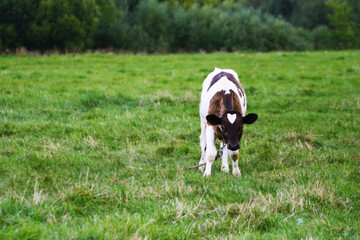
[
  {"x": 109, "y": 14},
  {"x": 346, "y": 32},
  {"x": 155, "y": 26},
  {"x": 144, "y": 25},
  {"x": 43, "y": 25},
  {"x": 8, "y": 37},
  {"x": 321, "y": 38}
]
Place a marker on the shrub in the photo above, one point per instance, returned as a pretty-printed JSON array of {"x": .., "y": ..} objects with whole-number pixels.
[
  {"x": 321, "y": 38},
  {"x": 8, "y": 37},
  {"x": 145, "y": 25},
  {"x": 42, "y": 24},
  {"x": 345, "y": 32}
]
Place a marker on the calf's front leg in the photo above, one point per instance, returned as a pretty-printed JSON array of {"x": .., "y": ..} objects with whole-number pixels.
[
  {"x": 203, "y": 146},
  {"x": 210, "y": 150},
  {"x": 224, "y": 158},
  {"x": 234, "y": 155}
]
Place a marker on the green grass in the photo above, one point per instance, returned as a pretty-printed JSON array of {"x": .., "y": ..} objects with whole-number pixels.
[{"x": 94, "y": 146}]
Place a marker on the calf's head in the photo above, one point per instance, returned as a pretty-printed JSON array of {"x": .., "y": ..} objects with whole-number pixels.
[{"x": 229, "y": 127}]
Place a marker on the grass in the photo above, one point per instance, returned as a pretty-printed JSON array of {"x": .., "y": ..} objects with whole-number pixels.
[{"x": 94, "y": 146}]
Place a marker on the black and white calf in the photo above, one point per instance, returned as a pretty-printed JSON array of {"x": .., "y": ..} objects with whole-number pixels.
[{"x": 222, "y": 114}]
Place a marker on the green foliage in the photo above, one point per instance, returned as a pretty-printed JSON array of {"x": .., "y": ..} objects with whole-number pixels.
[
  {"x": 190, "y": 3},
  {"x": 8, "y": 36},
  {"x": 95, "y": 146},
  {"x": 109, "y": 14},
  {"x": 321, "y": 38},
  {"x": 14, "y": 19},
  {"x": 170, "y": 27},
  {"x": 306, "y": 13},
  {"x": 346, "y": 32},
  {"x": 178, "y": 25},
  {"x": 40, "y": 24}
]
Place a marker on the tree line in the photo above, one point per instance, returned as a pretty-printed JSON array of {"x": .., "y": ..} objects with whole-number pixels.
[{"x": 179, "y": 25}]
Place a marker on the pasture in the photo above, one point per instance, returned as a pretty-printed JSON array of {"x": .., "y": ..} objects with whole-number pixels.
[{"x": 95, "y": 146}]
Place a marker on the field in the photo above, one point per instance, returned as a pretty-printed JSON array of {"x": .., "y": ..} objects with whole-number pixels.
[{"x": 95, "y": 146}]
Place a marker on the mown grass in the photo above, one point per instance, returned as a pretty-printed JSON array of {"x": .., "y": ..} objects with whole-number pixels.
[{"x": 94, "y": 146}]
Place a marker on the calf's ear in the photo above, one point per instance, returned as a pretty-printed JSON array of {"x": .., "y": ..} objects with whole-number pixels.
[
  {"x": 213, "y": 119},
  {"x": 250, "y": 118}
]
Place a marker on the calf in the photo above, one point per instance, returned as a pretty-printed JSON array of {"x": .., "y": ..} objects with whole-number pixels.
[{"x": 222, "y": 114}]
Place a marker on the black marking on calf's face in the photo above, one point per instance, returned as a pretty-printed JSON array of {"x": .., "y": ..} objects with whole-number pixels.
[{"x": 232, "y": 131}]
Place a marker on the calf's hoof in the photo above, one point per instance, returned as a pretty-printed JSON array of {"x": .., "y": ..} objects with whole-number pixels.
[
  {"x": 224, "y": 168},
  {"x": 237, "y": 173},
  {"x": 201, "y": 169},
  {"x": 206, "y": 174}
]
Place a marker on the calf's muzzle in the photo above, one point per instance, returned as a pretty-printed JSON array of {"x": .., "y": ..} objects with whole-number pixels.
[{"x": 234, "y": 147}]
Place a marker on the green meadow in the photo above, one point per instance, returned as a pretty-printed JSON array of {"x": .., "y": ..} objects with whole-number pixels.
[{"x": 96, "y": 146}]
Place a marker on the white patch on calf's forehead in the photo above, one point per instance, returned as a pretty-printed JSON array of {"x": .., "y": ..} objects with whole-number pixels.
[{"x": 231, "y": 117}]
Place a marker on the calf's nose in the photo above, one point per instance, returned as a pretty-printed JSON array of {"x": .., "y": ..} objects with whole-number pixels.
[{"x": 233, "y": 147}]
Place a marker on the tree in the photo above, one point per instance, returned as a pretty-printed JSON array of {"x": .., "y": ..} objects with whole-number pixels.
[
  {"x": 47, "y": 24},
  {"x": 345, "y": 31},
  {"x": 109, "y": 13}
]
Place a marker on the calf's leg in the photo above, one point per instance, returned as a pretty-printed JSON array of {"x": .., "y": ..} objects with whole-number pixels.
[
  {"x": 234, "y": 157},
  {"x": 210, "y": 150},
  {"x": 203, "y": 146},
  {"x": 224, "y": 158}
]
